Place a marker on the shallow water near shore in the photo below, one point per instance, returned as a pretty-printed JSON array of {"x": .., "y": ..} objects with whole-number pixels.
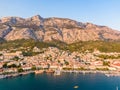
[{"x": 65, "y": 81}]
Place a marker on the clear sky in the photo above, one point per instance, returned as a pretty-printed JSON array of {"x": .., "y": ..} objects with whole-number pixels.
[{"x": 101, "y": 12}]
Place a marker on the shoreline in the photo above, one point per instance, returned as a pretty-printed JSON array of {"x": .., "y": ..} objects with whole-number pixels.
[
  {"x": 2, "y": 76},
  {"x": 106, "y": 73}
]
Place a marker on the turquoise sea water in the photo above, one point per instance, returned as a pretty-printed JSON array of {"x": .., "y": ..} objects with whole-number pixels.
[{"x": 66, "y": 81}]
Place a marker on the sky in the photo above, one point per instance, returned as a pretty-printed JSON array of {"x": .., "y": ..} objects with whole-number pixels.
[{"x": 100, "y": 12}]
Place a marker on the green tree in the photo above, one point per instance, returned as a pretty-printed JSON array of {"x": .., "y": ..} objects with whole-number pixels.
[
  {"x": 20, "y": 70},
  {"x": 16, "y": 58},
  {"x": 66, "y": 62},
  {"x": 106, "y": 63},
  {"x": 12, "y": 66},
  {"x": 5, "y": 65},
  {"x": 33, "y": 68},
  {"x": 1, "y": 54},
  {"x": 28, "y": 53}
]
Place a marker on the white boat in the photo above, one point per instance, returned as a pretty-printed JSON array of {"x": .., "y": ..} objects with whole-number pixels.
[{"x": 76, "y": 87}]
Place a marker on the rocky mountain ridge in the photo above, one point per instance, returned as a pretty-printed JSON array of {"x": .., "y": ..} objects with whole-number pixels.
[{"x": 49, "y": 29}]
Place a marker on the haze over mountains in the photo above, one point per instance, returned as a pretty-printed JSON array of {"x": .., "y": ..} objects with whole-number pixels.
[{"x": 49, "y": 29}]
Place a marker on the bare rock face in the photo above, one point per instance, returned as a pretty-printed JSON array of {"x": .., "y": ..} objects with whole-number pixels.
[
  {"x": 4, "y": 30},
  {"x": 36, "y": 20},
  {"x": 11, "y": 20},
  {"x": 49, "y": 29},
  {"x": 24, "y": 33}
]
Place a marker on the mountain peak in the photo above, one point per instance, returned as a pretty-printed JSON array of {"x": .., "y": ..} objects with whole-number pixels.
[{"x": 36, "y": 18}]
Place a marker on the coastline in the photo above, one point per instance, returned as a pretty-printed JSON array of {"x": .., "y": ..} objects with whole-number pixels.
[
  {"x": 2, "y": 76},
  {"x": 107, "y": 73}
]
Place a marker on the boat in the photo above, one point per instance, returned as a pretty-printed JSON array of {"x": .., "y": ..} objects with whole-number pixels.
[{"x": 76, "y": 87}]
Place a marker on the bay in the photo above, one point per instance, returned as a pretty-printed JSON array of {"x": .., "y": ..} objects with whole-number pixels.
[{"x": 65, "y": 81}]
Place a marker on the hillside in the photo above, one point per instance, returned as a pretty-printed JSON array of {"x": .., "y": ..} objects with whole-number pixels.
[{"x": 83, "y": 46}]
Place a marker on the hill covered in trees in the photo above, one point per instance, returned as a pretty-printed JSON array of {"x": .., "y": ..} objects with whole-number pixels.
[{"x": 103, "y": 46}]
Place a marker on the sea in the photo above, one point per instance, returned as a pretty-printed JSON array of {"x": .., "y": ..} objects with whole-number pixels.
[{"x": 65, "y": 81}]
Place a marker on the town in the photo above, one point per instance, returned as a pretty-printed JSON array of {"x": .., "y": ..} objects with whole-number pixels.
[{"x": 51, "y": 59}]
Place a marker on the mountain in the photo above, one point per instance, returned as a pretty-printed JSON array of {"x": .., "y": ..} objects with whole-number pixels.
[{"x": 49, "y": 29}]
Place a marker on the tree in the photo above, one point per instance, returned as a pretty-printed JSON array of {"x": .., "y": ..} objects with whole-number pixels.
[
  {"x": 28, "y": 53},
  {"x": 16, "y": 58},
  {"x": 33, "y": 68},
  {"x": 5, "y": 65},
  {"x": 66, "y": 62},
  {"x": 1, "y": 54},
  {"x": 12, "y": 66},
  {"x": 20, "y": 70},
  {"x": 106, "y": 63}
]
